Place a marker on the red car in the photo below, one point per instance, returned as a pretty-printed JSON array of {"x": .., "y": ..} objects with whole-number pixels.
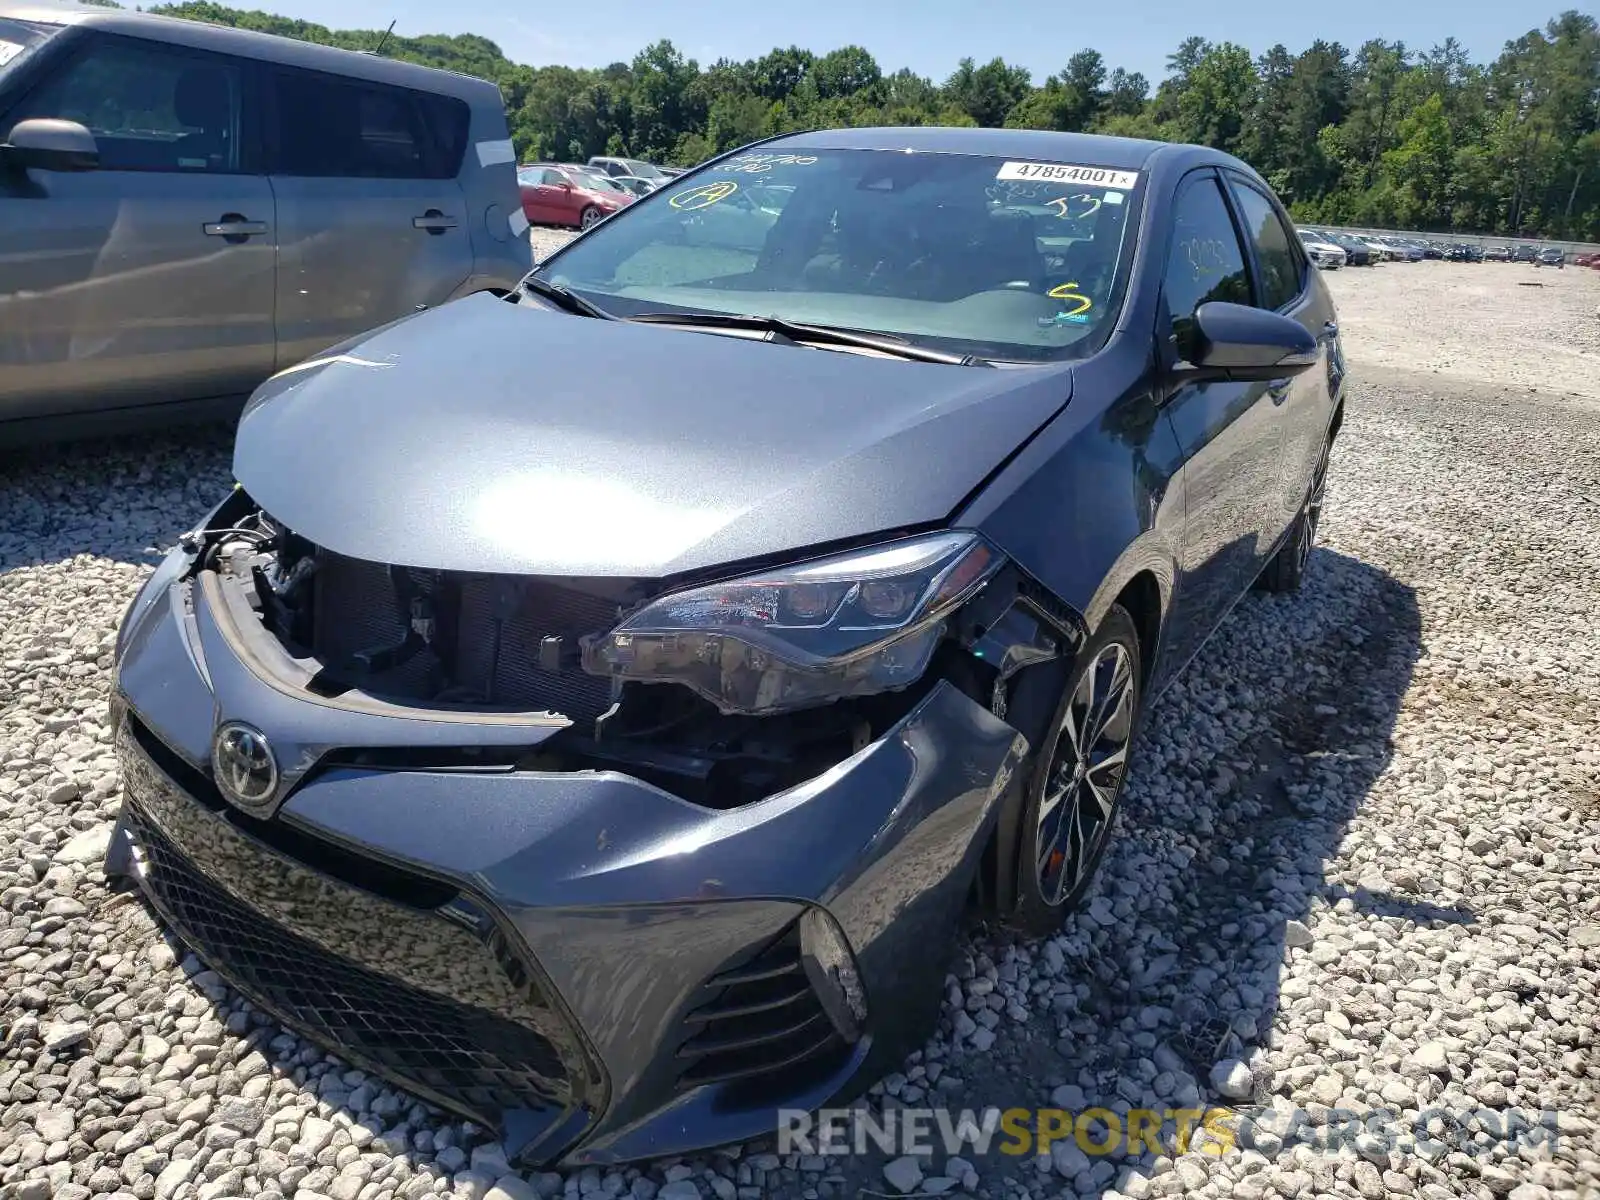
[{"x": 558, "y": 195}]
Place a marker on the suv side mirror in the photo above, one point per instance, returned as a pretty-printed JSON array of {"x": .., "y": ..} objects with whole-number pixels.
[
  {"x": 1236, "y": 341},
  {"x": 47, "y": 144}
]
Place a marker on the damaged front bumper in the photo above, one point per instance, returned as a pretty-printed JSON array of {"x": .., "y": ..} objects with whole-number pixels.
[{"x": 599, "y": 969}]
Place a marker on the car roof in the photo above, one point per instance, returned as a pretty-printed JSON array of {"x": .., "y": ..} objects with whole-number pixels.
[
  {"x": 248, "y": 43},
  {"x": 1089, "y": 149}
]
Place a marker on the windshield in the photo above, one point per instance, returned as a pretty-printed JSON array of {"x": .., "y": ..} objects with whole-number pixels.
[
  {"x": 967, "y": 253},
  {"x": 18, "y": 39}
]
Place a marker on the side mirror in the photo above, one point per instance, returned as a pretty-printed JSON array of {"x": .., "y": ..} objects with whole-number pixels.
[
  {"x": 47, "y": 144},
  {"x": 1239, "y": 342}
]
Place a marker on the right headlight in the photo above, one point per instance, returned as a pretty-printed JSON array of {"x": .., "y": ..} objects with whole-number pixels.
[{"x": 848, "y": 625}]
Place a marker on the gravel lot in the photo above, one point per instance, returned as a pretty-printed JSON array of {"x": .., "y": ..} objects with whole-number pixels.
[{"x": 1359, "y": 867}]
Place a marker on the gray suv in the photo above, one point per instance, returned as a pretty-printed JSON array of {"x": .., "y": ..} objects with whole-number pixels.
[{"x": 187, "y": 209}]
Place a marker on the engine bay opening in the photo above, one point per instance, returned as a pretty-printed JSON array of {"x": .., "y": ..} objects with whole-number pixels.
[{"x": 439, "y": 639}]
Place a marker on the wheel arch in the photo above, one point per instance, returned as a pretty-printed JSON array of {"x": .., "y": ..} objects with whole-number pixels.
[{"x": 1142, "y": 585}]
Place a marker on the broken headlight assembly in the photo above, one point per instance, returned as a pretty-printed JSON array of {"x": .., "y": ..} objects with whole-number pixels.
[{"x": 851, "y": 624}]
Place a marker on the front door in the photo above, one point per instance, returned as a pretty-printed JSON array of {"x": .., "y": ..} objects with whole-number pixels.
[
  {"x": 1228, "y": 433},
  {"x": 372, "y": 225},
  {"x": 150, "y": 279}
]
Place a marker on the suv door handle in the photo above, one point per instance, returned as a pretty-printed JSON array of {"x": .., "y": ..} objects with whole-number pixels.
[
  {"x": 434, "y": 221},
  {"x": 1278, "y": 389},
  {"x": 234, "y": 227},
  {"x": 1330, "y": 328}
]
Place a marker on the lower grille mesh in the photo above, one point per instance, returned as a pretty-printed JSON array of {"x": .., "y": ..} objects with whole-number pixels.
[
  {"x": 471, "y": 1061},
  {"x": 497, "y": 628}
]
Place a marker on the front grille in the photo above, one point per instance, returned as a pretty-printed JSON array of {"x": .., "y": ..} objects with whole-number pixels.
[
  {"x": 473, "y": 1062},
  {"x": 762, "y": 1020},
  {"x": 492, "y": 626}
]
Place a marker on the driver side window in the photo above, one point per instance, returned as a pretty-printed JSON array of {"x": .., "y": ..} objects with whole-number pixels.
[
  {"x": 150, "y": 108},
  {"x": 1206, "y": 261}
]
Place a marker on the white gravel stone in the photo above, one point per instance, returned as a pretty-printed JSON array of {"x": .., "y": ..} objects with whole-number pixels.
[
  {"x": 1232, "y": 1078},
  {"x": 903, "y": 1174},
  {"x": 512, "y": 1187},
  {"x": 86, "y": 847}
]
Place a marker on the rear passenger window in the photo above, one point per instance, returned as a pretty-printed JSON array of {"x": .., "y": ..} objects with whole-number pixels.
[
  {"x": 149, "y": 108},
  {"x": 343, "y": 128},
  {"x": 1206, "y": 262},
  {"x": 1281, "y": 271}
]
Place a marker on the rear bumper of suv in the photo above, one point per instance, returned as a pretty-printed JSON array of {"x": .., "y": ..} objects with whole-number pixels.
[{"x": 595, "y": 968}]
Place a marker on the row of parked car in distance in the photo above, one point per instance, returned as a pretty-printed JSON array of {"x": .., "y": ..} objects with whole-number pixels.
[{"x": 1331, "y": 249}]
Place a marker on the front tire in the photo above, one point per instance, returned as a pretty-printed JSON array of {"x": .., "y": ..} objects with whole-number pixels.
[
  {"x": 590, "y": 217},
  {"x": 1076, "y": 781}
]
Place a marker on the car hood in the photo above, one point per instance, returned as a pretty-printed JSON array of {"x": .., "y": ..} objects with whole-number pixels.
[{"x": 490, "y": 436}]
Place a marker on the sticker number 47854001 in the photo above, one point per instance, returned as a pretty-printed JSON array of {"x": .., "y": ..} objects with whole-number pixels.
[{"x": 1068, "y": 173}]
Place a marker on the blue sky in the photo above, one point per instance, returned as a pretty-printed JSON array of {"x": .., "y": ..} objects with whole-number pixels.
[{"x": 928, "y": 35}]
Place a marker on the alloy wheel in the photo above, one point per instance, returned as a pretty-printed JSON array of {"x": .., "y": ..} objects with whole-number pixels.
[
  {"x": 1306, "y": 534},
  {"x": 1089, "y": 762},
  {"x": 591, "y": 217}
]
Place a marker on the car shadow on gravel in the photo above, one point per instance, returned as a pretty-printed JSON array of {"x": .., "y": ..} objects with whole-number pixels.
[{"x": 1248, "y": 773}]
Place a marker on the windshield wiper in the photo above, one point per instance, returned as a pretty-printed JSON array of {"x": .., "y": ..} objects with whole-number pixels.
[
  {"x": 564, "y": 299},
  {"x": 806, "y": 334}
]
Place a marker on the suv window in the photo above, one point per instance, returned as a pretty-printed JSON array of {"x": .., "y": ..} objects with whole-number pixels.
[
  {"x": 1281, "y": 273},
  {"x": 149, "y": 108},
  {"x": 1206, "y": 261},
  {"x": 332, "y": 127}
]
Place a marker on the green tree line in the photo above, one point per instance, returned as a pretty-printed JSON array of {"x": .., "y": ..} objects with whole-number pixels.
[{"x": 1383, "y": 136}]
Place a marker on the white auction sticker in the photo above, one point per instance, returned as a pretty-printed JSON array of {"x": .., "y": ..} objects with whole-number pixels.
[
  {"x": 8, "y": 51},
  {"x": 490, "y": 153},
  {"x": 1068, "y": 173}
]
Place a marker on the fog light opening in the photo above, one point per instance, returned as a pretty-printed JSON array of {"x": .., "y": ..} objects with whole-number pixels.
[{"x": 831, "y": 968}]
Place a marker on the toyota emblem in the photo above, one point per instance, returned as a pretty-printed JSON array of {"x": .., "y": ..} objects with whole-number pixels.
[{"x": 244, "y": 766}]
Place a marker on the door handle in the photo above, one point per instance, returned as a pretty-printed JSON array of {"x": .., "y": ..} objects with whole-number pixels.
[
  {"x": 434, "y": 221},
  {"x": 1278, "y": 389},
  {"x": 1330, "y": 328},
  {"x": 234, "y": 227}
]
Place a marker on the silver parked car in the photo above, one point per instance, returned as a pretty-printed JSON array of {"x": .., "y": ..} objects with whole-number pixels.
[{"x": 186, "y": 209}]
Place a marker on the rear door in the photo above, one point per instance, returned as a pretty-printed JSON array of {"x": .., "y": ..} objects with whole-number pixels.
[
  {"x": 1286, "y": 283},
  {"x": 371, "y": 221},
  {"x": 150, "y": 279}
]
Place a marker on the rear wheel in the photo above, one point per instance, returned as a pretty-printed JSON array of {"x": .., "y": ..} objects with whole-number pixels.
[
  {"x": 1077, "y": 777},
  {"x": 589, "y": 217},
  {"x": 1287, "y": 570}
]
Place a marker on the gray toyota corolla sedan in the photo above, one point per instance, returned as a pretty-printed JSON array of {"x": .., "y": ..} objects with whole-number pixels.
[{"x": 595, "y": 710}]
